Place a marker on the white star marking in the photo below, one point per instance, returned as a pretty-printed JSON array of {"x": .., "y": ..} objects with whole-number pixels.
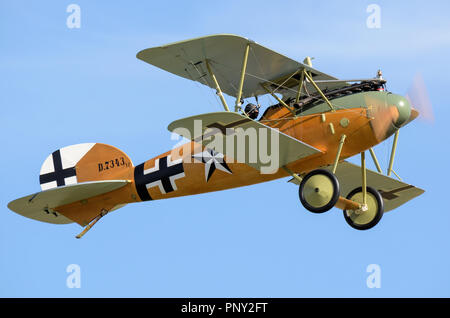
[{"x": 213, "y": 160}]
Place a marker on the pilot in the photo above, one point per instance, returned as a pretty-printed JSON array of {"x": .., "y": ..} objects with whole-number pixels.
[{"x": 252, "y": 110}]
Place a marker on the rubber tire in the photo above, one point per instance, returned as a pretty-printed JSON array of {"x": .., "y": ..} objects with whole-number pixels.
[
  {"x": 334, "y": 199},
  {"x": 378, "y": 216}
]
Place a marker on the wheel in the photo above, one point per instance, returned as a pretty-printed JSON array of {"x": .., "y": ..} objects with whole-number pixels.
[
  {"x": 367, "y": 219},
  {"x": 319, "y": 191}
]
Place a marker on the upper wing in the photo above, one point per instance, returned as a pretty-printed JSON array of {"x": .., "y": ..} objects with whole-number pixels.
[
  {"x": 245, "y": 140},
  {"x": 225, "y": 54},
  {"x": 39, "y": 206},
  {"x": 394, "y": 192}
]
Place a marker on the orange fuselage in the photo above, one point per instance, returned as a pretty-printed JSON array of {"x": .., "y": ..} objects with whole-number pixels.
[
  {"x": 177, "y": 173},
  {"x": 310, "y": 129}
]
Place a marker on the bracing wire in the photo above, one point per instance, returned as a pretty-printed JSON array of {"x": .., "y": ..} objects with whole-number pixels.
[
  {"x": 201, "y": 75},
  {"x": 265, "y": 80}
]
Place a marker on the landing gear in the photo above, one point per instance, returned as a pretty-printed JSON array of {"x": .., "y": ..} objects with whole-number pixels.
[
  {"x": 319, "y": 191},
  {"x": 369, "y": 214}
]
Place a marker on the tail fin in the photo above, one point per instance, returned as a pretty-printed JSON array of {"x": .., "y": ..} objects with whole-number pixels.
[
  {"x": 80, "y": 183},
  {"x": 84, "y": 162}
]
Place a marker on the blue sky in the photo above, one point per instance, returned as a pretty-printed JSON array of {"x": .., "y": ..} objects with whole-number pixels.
[{"x": 62, "y": 86}]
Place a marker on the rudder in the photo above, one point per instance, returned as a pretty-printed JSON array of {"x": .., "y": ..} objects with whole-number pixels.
[{"x": 84, "y": 162}]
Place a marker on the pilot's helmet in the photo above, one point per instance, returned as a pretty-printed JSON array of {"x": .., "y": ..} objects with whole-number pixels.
[{"x": 252, "y": 110}]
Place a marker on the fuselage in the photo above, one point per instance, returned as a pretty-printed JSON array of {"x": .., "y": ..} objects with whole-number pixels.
[{"x": 366, "y": 119}]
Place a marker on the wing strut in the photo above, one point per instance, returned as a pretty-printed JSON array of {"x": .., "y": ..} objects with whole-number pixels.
[
  {"x": 300, "y": 87},
  {"x": 318, "y": 90},
  {"x": 241, "y": 82},
  {"x": 218, "y": 90}
]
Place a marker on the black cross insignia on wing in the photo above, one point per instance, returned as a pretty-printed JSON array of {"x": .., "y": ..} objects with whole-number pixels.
[
  {"x": 162, "y": 175},
  {"x": 224, "y": 129},
  {"x": 60, "y": 174},
  {"x": 393, "y": 194}
]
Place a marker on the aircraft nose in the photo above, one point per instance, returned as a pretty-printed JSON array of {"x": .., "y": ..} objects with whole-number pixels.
[
  {"x": 403, "y": 107},
  {"x": 389, "y": 113}
]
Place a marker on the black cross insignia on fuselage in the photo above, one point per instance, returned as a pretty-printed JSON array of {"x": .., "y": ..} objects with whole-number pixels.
[
  {"x": 163, "y": 175},
  {"x": 60, "y": 174}
]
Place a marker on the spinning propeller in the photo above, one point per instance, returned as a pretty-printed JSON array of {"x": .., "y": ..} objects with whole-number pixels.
[{"x": 417, "y": 95}]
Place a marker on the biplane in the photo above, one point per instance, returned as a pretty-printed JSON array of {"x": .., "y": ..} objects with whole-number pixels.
[{"x": 316, "y": 122}]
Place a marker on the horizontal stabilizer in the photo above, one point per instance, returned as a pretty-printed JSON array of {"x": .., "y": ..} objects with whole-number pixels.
[
  {"x": 39, "y": 206},
  {"x": 245, "y": 140},
  {"x": 394, "y": 192}
]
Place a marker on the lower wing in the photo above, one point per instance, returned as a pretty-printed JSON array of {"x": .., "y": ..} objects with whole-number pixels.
[{"x": 394, "y": 192}]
